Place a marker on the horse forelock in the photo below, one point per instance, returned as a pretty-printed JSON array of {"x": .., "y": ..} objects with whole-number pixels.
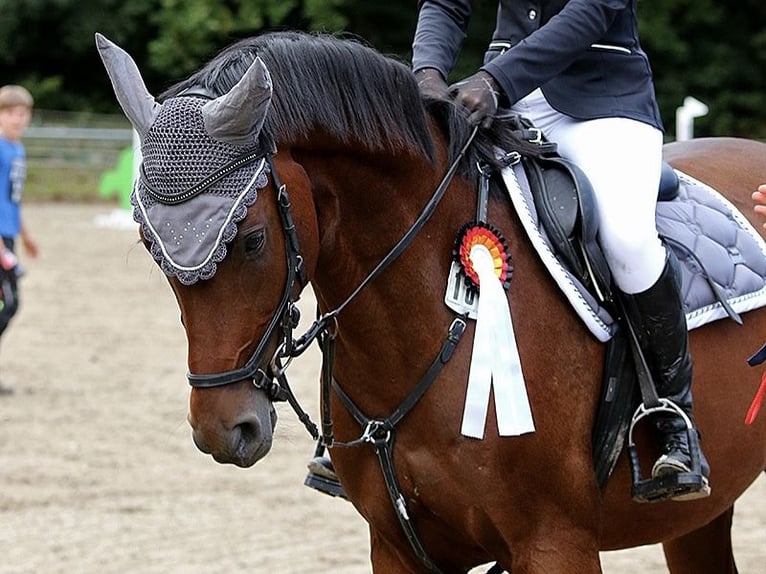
[{"x": 340, "y": 86}]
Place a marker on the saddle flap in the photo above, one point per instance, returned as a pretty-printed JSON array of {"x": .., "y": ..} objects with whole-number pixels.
[
  {"x": 566, "y": 207},
  {"x": 560, "y": 201},
  {"x": 555, "y": 197}
]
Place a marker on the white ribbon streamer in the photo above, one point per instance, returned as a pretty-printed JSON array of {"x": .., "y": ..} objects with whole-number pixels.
[{"x": 495, "y": 360}]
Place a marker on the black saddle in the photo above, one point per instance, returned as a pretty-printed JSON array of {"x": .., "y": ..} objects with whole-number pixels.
[{"x": 566, "y": 208}]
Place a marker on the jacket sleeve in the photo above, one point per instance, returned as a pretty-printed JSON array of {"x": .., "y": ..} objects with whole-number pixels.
[
  {"x": 439, "y": 34},
  {"x": 553, "y": 47}
]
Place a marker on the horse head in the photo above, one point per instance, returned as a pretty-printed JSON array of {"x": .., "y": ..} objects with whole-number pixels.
[
  {"x": 204, "y": 165},
  {"x": 208, "y": 221}
]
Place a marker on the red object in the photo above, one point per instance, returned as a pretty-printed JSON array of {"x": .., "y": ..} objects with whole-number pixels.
[
  {"x": 480, "y": 233},
  {"x": 7, "y": 259},
  {"x": 755, "y": 406}
]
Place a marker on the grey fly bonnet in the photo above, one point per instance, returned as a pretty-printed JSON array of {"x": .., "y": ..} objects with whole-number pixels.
[{"x": 201, "y": 166}]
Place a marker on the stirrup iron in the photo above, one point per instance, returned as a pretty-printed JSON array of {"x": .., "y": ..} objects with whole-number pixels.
[
  {"x": 686, "y": 485},
  {"x": 321, "y": 475}
]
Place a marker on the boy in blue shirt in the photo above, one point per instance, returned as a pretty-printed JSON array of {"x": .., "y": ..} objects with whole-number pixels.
[{"x": 15, "y": 113}]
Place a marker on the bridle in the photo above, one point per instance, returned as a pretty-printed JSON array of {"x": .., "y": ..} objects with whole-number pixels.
[
  {"x": 270, "y": 376},
  {"x": 286, "y": 314},
  {"x": 272, "y": 380}
]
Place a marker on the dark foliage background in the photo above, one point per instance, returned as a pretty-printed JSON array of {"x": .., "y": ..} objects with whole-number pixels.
[{"x": 713, "y": 51}]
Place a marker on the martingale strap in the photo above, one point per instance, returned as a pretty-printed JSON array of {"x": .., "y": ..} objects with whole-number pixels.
[{"x": 381, "y": 433}]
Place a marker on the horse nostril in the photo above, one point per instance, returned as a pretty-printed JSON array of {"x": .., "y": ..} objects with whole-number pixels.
[
  {"x": 242, "y": 440},
  {"x": 246, "y": 433}
]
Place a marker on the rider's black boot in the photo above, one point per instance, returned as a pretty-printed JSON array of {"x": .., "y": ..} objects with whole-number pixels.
[{"x": 658, "y": 315}]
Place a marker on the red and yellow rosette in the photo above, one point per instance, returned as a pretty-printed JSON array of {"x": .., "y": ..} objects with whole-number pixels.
[
  {"x": 484, "y": 234},
  {"x": 495, "y": 360}
]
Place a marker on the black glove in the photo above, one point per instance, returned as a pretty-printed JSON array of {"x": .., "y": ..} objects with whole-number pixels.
[
  {"x": 479, "y": 95},
  {"x": 431, "y": 84}
]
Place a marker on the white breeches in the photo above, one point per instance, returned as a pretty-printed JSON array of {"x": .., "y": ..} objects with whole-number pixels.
[{"x": 622, "y": 159}]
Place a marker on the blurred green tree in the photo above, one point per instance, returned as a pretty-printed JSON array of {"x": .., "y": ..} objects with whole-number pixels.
[
  {"x": 190, "y": 31},
  {"x": 702, "y": 48},
  {"x": 715, "y": 52}
]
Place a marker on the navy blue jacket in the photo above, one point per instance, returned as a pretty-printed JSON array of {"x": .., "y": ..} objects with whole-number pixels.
[{"x": 584, "y": 54}]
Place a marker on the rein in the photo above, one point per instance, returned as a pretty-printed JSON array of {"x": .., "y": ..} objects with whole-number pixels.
[
  {"x": 425, "y": 215},
  {"x": 321, "y": 325},
  {"x": 272, "y": 379}
]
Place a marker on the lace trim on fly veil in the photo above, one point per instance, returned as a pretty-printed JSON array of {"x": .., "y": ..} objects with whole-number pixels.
[{"x": 189, "y": 239}]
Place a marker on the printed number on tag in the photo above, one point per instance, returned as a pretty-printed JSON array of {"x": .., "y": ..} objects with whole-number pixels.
[{"x": 459, "y": 297}]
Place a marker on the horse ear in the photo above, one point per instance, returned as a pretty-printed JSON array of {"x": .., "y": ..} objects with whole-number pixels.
[
  {"x": 135, "y": 100},
  {"x": 237, "y": 116}
]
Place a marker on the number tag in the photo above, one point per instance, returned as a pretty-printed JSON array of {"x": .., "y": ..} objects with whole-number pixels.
[{"x": 459, "y": 297}]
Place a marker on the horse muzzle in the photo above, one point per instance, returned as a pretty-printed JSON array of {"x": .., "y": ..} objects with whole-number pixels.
[{"x": 242, "y": 440}]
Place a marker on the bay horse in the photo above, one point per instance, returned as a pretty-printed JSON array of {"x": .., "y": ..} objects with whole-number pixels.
[{"x": 291, "y": 159}]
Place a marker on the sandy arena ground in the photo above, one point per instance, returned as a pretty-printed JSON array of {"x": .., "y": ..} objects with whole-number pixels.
[{"x": 98, "y": 473}]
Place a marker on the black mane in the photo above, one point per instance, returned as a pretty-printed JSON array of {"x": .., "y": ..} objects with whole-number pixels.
[{"x": 352, "y": 91}]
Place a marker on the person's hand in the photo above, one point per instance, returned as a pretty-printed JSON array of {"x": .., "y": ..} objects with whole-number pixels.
[
  {"x": 759, "y": 198},
  {"x": 479, "y": 95},
  {"x": 30, "y": 246},
  {"x": 431, "y": 84}
]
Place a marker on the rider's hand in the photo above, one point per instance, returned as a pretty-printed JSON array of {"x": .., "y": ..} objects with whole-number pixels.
[
  {"x": 431, "y": 84},
  {"x": 479, "y": 95}
]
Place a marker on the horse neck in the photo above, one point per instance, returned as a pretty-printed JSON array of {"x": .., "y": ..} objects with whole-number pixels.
[{"x": 365, "y": 204}]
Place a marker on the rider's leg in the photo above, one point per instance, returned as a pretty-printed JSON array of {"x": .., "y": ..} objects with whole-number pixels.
[
  {"x": 622, "y": 159},
  {"x": 321, "y": 475},
  {"x": 657, "y": 313}
]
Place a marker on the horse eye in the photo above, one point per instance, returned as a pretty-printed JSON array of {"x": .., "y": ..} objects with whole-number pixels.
[{"x": 254, "y": 242}]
